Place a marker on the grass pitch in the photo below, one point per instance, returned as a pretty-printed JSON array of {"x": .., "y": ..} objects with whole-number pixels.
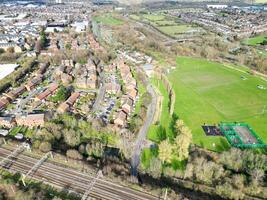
[
  {"x": 108, "y": 20},
  {"x": 208, "y": 92},
  {"x": 255, "y": 40}
]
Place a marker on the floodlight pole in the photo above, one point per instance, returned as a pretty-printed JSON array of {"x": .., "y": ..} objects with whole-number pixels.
[
  {"x": 90, "y": 187},
  {"x": 165, "y": 196},
  {"x": 36, "y": 166},
  {"x": 13, "y": 154}
]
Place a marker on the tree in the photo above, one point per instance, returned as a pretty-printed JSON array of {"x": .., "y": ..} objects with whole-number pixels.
[
  {"x": 182, "y": 140},
  {"x": 38, "y": 46},
  {"x": 45, "y": 147},
  {"x": 165, "y": 151},
  {"x": 226, "y": 190},
  {"x": 74, "y": 154},
  {"x": 43, "y": 38},
  {"x": 68, "y": 46},
  {"x": 72, "y": 137},
  {"x": 257, "y": 176},
  {"x": 95, "y": 149},
  {"x": 2, "y": 51},
  {"x": 182, "y": 143},
  {"x": 179, "y": 124},
  {"x": 61, "y": 95},
  {"x": 238, "y": 181},
  {"x": 10, "y": 50},
  {"x": 154, "y": 167},
  {"x": 232, "y": 159}
]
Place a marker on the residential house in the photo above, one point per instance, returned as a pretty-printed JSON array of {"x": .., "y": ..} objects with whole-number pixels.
[
  {"x": 67, "y": 63},
  {"x": 33, "y": 82},
  {"x": 31, "y": 120},
  {"x": 64, "y": 107},
  {"x": 73, "y": 98},
  {"x": 127, "y": 106},
  {"x": 12, "y": 95},
  {"x": 3, "y": 102},
  {"x": 7, "y": 121},
  {"x": 120, "y": 119},
  {"x": 132, "y": 93},
  {"x": 113, "y": 88},
  {"x": 7, "y": 45},
  {"x": 43, "y": 68},
  {"x": 66, "y": 79},
  {"x": 52, "y": 88}
]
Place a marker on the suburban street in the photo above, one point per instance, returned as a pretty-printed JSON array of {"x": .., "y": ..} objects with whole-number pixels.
[
  {"x": 71, "y": 180},
  {"x": 143, "y": 131},
  {"x": 23, "y": 102}
]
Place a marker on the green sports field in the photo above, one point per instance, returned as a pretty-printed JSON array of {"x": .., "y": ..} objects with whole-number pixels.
[
  {"x": 108, "y": 20},
  {"x": 255, "y": 40},
  {"x": 208, "y": 92}
]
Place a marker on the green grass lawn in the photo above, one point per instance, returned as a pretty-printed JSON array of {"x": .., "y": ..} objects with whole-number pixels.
[
  {"x": 14, "y": 131},
  {"x": 208, "y": 92},
  {"x": 146, "y": 156},
  {"x": 108, "y": 20},
  {"x": 135, "y": 17},
  {"x": 174, "y": 30},
  {"x": 262, "y": 53},
  {"x": 255, "y": 40},
  {"x": 165, "y": 23},
  {"x": 141, "y": 92},
  {"x": 165, "y": 118},
  {"x": 154, "y": 17}
]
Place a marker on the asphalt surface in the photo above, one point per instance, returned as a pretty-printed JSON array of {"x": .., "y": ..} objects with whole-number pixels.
[
  {"x": 135, "y": 160},
  {"x": 71, "y": 180}
]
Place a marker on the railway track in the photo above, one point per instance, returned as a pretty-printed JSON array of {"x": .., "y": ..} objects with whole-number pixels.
[{"x": 72, "y": 180}]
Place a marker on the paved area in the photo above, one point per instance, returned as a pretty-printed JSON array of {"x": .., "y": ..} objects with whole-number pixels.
[{"x": 135, "y": 161}]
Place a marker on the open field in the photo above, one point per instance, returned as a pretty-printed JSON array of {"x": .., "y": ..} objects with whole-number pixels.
[
  {"x": 208, "y": 92},
  {"x": 175, "y": 30},
  {"x": 154, "y": 17},
  {"x": 256, "y": 40},
  {"x": 166, "y": 24},
  {"x": 108, "y": 20}
]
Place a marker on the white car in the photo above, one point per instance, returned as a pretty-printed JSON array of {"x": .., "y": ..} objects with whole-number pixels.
[{"x": 19, "y": 136}]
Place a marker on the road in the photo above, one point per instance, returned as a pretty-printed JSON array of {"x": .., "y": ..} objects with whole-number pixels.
[
  {"x": 101, "y": 93},
  {"x": 21, "y": 105},
  {"x": 135, "y": 160},
  {"x": 77, "y": 182},
  {"x": 99, "y": 98}
]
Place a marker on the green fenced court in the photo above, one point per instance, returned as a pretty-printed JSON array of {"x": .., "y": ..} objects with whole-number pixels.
[{"x": 241, "y": 135}]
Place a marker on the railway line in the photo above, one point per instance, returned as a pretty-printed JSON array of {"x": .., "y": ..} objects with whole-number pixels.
[{"x": 72, "y": 180}]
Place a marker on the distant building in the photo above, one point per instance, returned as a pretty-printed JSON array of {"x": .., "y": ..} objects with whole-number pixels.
[
  {"x": 217, "y": 6},
  {"x": 80, "y": 26},
  {"x": 7, "y": 121},
  {"x": 7, "y": 45},
  {"x": 68, "y": 63}
]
